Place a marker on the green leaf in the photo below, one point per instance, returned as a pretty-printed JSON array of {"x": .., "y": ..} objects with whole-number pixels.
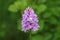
[
  {"x": 33, "y": 33},
  {"x": 4, "y": 25},
  {"x": 56, "y": 36},
  {"x": 53, "y": 20},
  {"x": 41, "y": 1},
  {"x": 47, "y": 36},
  {"x": 2, "y": 34},
  {"x": 37, "y": 37},
  {"x": 19, "y": 24},
  {"x": 41, "y": 8},
  {"x": 56, "y": 11},
  {"x": 41, "y": 25},
  {"x": 58, "y": 27},
  {"x": 19, "y": 4},
  {"x": 47, "y": 15},
  {"x": 57, "y": 33},
  {"x": 13, "y": 8}
]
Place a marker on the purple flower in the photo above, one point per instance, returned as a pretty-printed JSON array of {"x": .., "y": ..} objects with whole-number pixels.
[{"x": 29, "y": 20}]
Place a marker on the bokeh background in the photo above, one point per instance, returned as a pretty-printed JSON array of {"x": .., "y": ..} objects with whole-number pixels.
[{"x": 48, "y": 12}]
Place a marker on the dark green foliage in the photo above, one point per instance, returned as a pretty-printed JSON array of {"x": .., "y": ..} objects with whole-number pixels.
[{"x": 48, "y": 12}]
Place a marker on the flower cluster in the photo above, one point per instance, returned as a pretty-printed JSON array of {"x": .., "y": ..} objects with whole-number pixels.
[{"x": 29, "y": 20}]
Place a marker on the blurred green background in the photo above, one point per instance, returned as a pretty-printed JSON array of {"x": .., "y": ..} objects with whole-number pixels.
[{"x": 48, "y": 12}]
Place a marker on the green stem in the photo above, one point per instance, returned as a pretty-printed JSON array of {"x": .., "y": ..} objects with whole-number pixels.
[{"x": 30, "y": 36}]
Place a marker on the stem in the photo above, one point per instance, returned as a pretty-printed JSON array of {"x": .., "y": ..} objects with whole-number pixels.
[{"x": 30, "y": 36}]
